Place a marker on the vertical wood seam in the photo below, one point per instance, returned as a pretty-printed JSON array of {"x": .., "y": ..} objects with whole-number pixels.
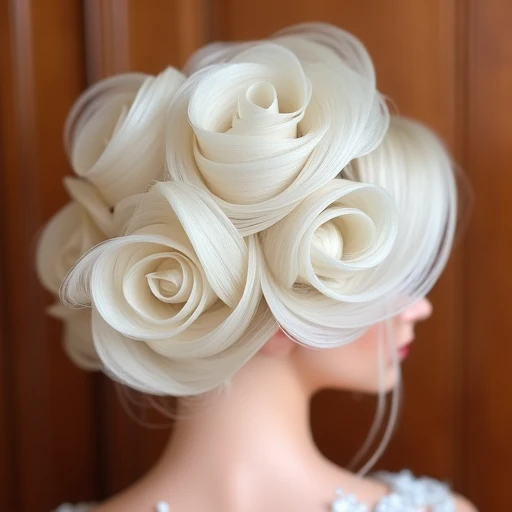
[
  {"x": 192, "y": 31},
  {"x": 107, "y": 38},
  {"x": 220, "y": 19},
  {"x": 8, "y": 388},
  {"x": 118, "y": 23},
  {"x": 30, "y": 380},
  {"x": 462, "y": 117},
  {"x": 93, "y": 35},
  {"x": 460, "y": 141},
  {"x": 7, "y": 383},
  {"x": 208, "y": 29}
]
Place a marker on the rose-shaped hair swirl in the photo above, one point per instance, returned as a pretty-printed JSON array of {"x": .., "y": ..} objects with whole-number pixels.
[
  {"x": 309, "y": 41},
  {"x": 71, "y": 232},
  {"x": 75, "y": 229},
  {"x": 414, "y": 166},
  {"x": 176, "y": 301},
  {"x": 77, "y": 336},
  {"x": 323, "y": 261},
  {"x": 267, "y": 129},
  {"x": 114, "y": 132}
]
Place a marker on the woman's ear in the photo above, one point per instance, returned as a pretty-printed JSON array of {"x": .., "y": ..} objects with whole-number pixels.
[{"x": 279, "y": 345}]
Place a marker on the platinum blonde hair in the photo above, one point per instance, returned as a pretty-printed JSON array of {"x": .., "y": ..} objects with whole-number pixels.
[{"x": 266, "y": 187}]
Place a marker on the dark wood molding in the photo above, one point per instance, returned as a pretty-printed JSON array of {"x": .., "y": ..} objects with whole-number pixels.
[
  {"x": 488, "y": 387},
  {"x": 10, "y": 489},
  {"x": 52, "y": 463},
  {"x": 29, "y": 368},
  {"x": 106, "y": 38}
]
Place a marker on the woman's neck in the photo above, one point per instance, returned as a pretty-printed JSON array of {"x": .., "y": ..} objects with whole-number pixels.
[
  {"x": 253, "y": 435},
  {"x": 261, "y": 418},
  {"x": 248, "y": 447}
]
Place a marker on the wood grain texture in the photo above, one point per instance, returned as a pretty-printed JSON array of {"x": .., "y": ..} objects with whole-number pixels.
[
  {"x": 42, "y": 73},
  {"x": 7, "y": 447},
  {"x": 164, "y": 34},
  {"x": 9, "y": 490},
  {"x": 106, "y": 35},
  {"x": 132, "y": 35},
  {"x": 8, "y": 455},
  {"x": 414, "y": 47},
  {"x": 488, "y": 420}
]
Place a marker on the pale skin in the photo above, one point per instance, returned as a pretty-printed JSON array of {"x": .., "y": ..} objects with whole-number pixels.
[{"x": 250, "y": 448}]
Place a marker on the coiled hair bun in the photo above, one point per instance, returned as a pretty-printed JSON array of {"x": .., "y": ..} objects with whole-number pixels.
[{"x": 268, "y": 187}]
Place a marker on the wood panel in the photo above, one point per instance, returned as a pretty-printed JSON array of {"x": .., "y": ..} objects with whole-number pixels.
[
  {"x": 132, "y": 35},
  {"x": 488, "y": 420},
  {"x": 129, "y": 35},
  {"x": 7, "y": 448},
  {"x": 8, "y": 487},
  {"x": 42, "y": 72},
  {"x": 414, "y": 47}
]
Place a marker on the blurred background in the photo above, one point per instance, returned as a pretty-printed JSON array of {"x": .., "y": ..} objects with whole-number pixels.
[{"x": 63, "y": 434}]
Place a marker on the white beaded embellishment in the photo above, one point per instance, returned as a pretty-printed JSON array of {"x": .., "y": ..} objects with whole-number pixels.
[
  {"x": 347, "y": 503},
  {"x": 409, "y": 494}
]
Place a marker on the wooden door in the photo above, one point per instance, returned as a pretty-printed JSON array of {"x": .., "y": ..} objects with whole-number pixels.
[
  {"x": 63, "y": 434},
  {"x": 486, "y": 420}
]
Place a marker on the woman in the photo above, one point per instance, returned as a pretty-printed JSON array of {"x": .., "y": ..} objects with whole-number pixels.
[{"x": 224, "y": 224}]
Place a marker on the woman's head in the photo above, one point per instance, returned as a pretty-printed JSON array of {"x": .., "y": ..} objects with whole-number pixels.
[{"x": 269, "y": 190}]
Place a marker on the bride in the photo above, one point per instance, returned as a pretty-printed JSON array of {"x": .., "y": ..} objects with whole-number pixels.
[{"x": 240, "y": 236}]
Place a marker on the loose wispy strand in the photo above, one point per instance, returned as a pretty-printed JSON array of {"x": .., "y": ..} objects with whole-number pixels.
[
  {"x": 380, "y": 411},
  {"x": 394, "y": 407}
]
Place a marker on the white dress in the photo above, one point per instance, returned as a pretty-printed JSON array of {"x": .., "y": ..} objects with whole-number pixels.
[{"x": 406, "y": 494}]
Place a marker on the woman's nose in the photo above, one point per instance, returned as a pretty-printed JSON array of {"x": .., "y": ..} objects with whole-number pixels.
[{"x": 418, "y": 311}]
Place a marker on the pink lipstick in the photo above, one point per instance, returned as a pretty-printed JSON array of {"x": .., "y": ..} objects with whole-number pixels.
[{"x": 403, "y": 352}]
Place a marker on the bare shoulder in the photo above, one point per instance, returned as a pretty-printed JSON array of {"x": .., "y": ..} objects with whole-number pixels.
[{"x": 463, "y": 505}]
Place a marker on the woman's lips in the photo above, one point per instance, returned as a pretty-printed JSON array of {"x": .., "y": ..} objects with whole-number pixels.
[{"x": 403, "y": 352}]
